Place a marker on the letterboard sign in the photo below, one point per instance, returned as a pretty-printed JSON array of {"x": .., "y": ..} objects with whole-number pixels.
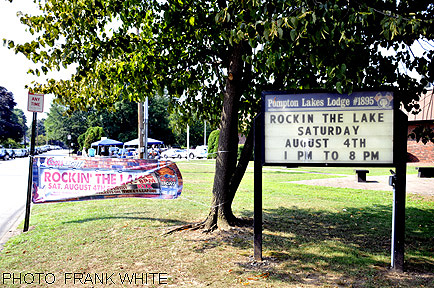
[{"x": 327, "y": 128}]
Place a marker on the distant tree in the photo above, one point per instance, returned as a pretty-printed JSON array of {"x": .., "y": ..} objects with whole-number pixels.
[
  {"x": 179, "y": 129},
  {"x": 119, "y": 123},
  {"x": 91, "y": 135},
  {"x": 21, "y": 119},
  {"x": 40, "y": 126},
  {"x": 59, "y": 124},
  {"x": 41, "y": 140},
  {"x": 9, "y": 123},
  {"x": 159, "y": 123},
  {"x": 197, "y": 136}
]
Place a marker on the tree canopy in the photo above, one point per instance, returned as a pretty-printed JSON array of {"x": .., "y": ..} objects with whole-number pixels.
[
  {"x": 217, "y": 57},
  {"x": 130, "y": 49}
]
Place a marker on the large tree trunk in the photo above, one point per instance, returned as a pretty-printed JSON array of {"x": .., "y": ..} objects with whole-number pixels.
[{"x": 226, "y": 164}]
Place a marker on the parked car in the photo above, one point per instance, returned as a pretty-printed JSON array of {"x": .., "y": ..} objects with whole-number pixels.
[
  {"x": 4, "y": 154},
  {"x": 11, "y": 153},
  {"x": 199, "y": 152},
  {"x": 26, "y": 152},
  {"x": 19, "y": 152},
  {"x": 174, "y": 153}
]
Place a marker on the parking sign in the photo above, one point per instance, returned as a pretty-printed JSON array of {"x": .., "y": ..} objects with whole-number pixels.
[{"x": 35, "y": 102}]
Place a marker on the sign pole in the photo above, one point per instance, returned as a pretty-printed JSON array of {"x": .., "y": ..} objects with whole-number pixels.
[
  {"x": 257, "y": 218},
  {"x": 30, "y": 178},
  {"x": 399, "y": 195},
  {"x": 398, "y": 219}
]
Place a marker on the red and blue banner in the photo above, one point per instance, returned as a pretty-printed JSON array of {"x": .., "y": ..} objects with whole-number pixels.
[{"x": 58, "y": 179}]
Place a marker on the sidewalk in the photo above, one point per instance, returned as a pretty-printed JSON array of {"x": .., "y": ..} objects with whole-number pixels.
[{"x": 415, "y": 185}]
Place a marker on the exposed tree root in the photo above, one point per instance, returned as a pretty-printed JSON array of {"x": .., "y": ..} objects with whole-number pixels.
[
  {"x": 192, "y": 226},
  {"x": 209, "y": 228}
]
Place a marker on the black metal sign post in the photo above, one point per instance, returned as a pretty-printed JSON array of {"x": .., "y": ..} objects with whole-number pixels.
[
  {"x": 363, "y": 129},
  {"x": 35, "y": 104},
  {"x": 399, "y": 192},
  {"x": 30, "y": 178},
  {"x": 257, "y": 219}
]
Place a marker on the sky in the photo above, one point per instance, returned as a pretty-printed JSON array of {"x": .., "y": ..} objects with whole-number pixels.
[{"x": 14, "y": 67}]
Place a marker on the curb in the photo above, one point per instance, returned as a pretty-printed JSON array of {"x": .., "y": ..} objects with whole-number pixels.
[{"x": 12, "y": 231}]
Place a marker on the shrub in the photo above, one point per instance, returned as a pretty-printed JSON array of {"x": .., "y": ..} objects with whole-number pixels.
[
  {"x": 91, "y": 135},
  {"x": 213, "y": 143},
  {"x": 10, "y": 143}
]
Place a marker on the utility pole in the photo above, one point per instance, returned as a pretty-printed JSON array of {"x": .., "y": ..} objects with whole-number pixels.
[
  {"x": 143, "y": 124},
  {"x": 204, "y": 133},
  {"x": 141, "y": 128},
  {"x": 145, "y": 138},
  {"x": 188, "y": 142}
]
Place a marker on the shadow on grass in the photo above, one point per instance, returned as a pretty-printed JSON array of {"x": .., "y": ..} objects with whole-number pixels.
[
  {"x": 352, "y": 246},
  {"x": 126, "y": 216}
]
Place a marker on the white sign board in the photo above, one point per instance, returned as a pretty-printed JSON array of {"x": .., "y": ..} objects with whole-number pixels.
[
  {"x": 324, "y": 128},
  {"x": 35, "y": 102}
]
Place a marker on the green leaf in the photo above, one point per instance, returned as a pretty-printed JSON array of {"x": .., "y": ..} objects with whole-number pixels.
[
  {"x": 280, "y": 32},
  {"x": 191, "y": 20},
  {"x": 312, "y": 59},
  {"x": 294, "y": 21},
  {"x": 343, "y": 69},
  {"x": 339, "y": 87},
  {"x": 293, "y": 34}
]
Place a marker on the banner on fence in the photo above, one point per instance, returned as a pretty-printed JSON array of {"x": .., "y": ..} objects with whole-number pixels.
[{"x": 57, "y": 179}]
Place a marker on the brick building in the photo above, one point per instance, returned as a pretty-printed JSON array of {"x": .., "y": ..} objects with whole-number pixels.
[{"x": 419, "y": 152}]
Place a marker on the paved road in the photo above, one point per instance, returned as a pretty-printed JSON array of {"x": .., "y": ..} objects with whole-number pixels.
[{"x": 13, "y": 191}]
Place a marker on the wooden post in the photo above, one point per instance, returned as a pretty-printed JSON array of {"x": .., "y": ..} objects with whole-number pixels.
[
  {"x": 141, "y": 129},
  {"x": 145, "y": 131}
]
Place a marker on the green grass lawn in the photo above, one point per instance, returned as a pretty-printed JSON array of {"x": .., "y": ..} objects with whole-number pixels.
[{"x": 313, "y": 236}]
